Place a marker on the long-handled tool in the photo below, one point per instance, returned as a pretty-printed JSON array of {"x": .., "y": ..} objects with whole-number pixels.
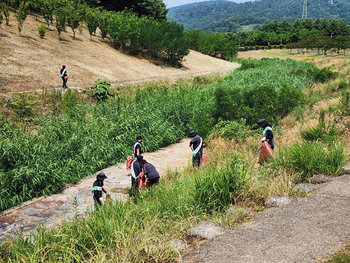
[{"x": 256, "y": 153}]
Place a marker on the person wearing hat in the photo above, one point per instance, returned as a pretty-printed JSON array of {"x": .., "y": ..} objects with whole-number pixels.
[
  {"x": 98, "y": 189},
  {"x": 196, "y": 145},
  {"x": 135, "y": 170},
  {"x": 137, "y": 147},
  {"x": 150, "y": 171},
  {"x": 267, "y": 132}
]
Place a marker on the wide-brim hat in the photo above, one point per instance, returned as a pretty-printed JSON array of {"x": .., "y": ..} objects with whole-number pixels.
[
  {"x": 262, "y": 123},
  {"x": 192, "y": 134},
  {"x": 101, "y": 176}
]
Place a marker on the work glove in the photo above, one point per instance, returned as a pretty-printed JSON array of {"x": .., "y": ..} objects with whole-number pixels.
[
  {"x": 194, "y": 154},
  {"x": 263, "y": 139}
]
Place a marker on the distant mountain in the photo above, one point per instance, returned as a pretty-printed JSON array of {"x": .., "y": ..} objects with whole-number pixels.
[{"x": 226, "y": 16}]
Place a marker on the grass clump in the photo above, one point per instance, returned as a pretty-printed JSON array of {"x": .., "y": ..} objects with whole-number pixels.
[{"x": 309, "y": 158}]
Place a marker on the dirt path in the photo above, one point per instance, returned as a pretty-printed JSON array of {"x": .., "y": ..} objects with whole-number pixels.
[
  {"x": 77, "y": 199},
  {"x": 307, "y": 230}
]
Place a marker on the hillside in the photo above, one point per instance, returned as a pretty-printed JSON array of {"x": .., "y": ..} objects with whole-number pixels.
[
  {"x": 31, "y": 63},
  {"x": 202, "y": 14}
]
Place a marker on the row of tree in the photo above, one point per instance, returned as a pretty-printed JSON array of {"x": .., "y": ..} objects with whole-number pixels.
[
  {"x": 215, "y": 44},
  {"x": 286, "y": 32},
  {"x": 153, "y": 38}
]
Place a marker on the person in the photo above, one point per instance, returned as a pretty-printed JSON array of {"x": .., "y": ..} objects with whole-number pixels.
[
  {"x": 137, "y": 147},
  {"x": 196, "y": 145},
  {"x": 63, "y": 76},
  {"x": 267, "y": 134},
  {"x": 98, "y": 189},
  {"x": 150, "y": 171},
  {"x": 135, "y": 171}
]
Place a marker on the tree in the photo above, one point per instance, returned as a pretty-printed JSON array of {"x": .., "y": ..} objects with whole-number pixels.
[
  {"x": 61, "y": 19},
  {"x": 47, "y": 10},
  {"x": 1, "y": 16},
  {"x": 6, "y": 11},
  {"x": 23, "y": 12},
  {"x": 152, "y": 8},
  {"x": 341, "y": 43},
  {"x": 91, "y": 20},
  {"x": 103, "y": 23},
  {"x": 73, "y": 18}
]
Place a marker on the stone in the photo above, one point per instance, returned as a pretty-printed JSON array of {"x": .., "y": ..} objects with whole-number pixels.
[
  {"x": 58, "y": 197},
  {"x": 64, "y": 207},
  {"x": 78, "y": 200},
  {"x": 31, "y": 211},
  {"x": 304, "y": 188},
  {"x": 277, "y": 201},
  {"x": 42, "y": 206},
  {"x": 206, "y": 230},
  {"x": 320, "y": 178},
  {"x": 6, "y": 228},
  {"x": 125, "y": 182},
  {"x": 345, "y": 169}
]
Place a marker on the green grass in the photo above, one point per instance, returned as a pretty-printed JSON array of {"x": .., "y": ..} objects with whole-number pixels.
[{"x": 46, "y": 153}]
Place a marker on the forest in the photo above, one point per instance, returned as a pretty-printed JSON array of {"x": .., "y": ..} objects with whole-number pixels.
[{"x": 224, "y": 16}]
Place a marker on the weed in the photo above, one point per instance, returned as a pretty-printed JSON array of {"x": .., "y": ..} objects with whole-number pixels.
[
  {"x": 101, "y": 90},
  {"x": 23, "y": 105}
]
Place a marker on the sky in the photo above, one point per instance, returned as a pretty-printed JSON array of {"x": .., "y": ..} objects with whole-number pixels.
[{"x": 172, "y": 3}]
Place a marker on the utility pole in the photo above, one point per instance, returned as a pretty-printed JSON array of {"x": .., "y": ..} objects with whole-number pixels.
[{"x": 304, "y": 14}]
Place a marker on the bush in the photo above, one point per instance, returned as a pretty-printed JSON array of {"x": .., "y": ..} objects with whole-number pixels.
[
  {"x": 322, "y": 75},
  {"x": 101, "y": 90},
  {"x": 343, "y": 85},
  {"x": 236, "y": 130},
  {"x": 309, "y": 158},
  {"x": 42, "y": 30}
]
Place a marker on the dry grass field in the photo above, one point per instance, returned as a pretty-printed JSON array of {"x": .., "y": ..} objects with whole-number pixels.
[{"x": 29, "y": 62}]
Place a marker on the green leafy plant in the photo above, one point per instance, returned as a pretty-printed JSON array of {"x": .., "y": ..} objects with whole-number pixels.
[
  {"x": 23, "y": 105},
  {"x": 42, "y": 30},
  {"x": 101, "y": 90}
]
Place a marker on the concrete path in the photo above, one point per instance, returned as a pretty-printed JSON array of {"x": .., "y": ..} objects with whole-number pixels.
[
  {"x": 306, "y": 230},
  {"x": 77, "y": 199}
]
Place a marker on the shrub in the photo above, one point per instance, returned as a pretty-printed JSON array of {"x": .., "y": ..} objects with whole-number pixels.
[
  {"x": 101, "y": 90},
  {"x": 322, "y": 75},
  {"x": 42, "y": 30},
  {"x": 281, "y": 46},
  {"x": 310, "y": 157},
  {"x": 342, "y": 85},
  {"x": 236, "y": 130}
]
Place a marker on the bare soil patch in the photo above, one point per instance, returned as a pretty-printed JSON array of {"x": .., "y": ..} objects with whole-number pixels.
[{"x": 31, "y": 63}]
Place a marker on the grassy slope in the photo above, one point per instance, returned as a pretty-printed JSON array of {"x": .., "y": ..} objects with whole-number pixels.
[{"x": 30, "y": 63}]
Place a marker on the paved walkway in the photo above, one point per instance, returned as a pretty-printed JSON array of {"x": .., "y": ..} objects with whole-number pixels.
[
  {"x": 306, "y": 230},
  {"x": 77, "y": 199}
]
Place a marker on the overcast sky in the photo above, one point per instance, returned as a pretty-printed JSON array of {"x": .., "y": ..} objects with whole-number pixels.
[{"x": 172, "y": 3}]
